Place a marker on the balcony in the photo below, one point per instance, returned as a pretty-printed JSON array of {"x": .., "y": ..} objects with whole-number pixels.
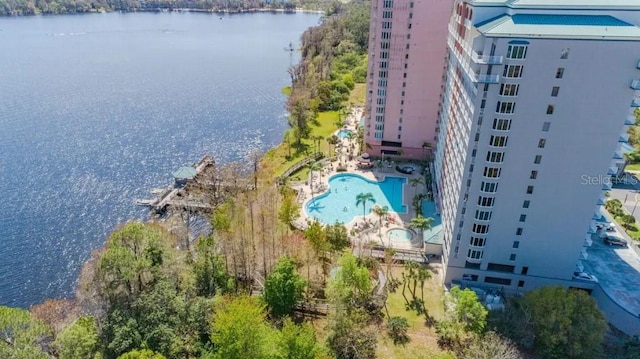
[
  {"x": 602, "y": 201},
  {"x": 579, "y": 267},
  {"x": 473, "y": 260},
  {"x": 587, "y": 242},
  {"x": 618, "y": 156},
  {"x": 606, "y": 186},
  {"x": 635, "y": 84},
  {"x": 583, "y": 254},
  {"x": 624, "y": 137},
  {"x": 486, "y": 60},
  {"x": 491, "y": 79},
  {"x": 613, "y": 171},
  {"x": 635, "y": 103},
  {"x": 630, "y": 121}
]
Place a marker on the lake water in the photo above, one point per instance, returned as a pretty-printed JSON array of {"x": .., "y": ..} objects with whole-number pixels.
[{"x": 96, "y": 110}]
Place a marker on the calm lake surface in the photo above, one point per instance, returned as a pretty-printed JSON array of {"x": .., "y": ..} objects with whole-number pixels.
[{"x": 96, "y": 110}]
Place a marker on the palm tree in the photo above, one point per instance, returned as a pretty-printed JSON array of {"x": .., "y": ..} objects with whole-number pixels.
[
  {"x": 363, "y": 198},
  {"x": 414, "y": 182},
  {"x": 333, "y": 141},
  {"x": 313, "y": 166},
  {"x": 381, "y": 212},
  {"x": 319, "y": 139},
  {"x": 422, "y": 224},
  {"x": 360, "y": 139}
]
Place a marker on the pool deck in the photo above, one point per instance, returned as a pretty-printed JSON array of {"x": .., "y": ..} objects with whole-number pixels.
[{"x": 365, "y": 228}]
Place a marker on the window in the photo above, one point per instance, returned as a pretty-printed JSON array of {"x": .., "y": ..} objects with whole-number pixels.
[
  {"x": 386, "y": 35},
  {"x": 387, "y": 3},
  {"x": 483, "y": 103},
  {"x": 399, "y": 128},
  {"x": 378, "y": 135},
  {"x": 402, "y": 102},
  {"x": 564, "y": 54},
  {"x": 554, "y": 91},
  {"x": 407, "y": 47},
  {"x": 541, "y": 143},
  {"x": 513, "y": 71},
  {"x": 523, "y": 218},
  {"x": 560, "y": 72},
  {"x": 495, "y": 157},
  {"x": 385, "y": 45},
  {"x": 483, "y": 215},
  {"x": 384, "y": 55},
  {"x": 470, "y": 277},
  {"x": 516, "y": 52},
  {"x": 533, "y": 175},
  {"x": 509, "y": 89},
  {"x": 382, "y": 92},
  {"x": 512, "y": 257},
  {"x": 379, "y": 127},
  {"x": 386, "y": 24},
  {"x": 379, "y": 109},
  {"x": 505, "y": 107},
  {"x": 519, "y": 232},
  {"x": 404, "y": 84},
  {"x": 488, "y": 187},
  {"x": 529, "y": 189},
  {"x": 470, "y": 168},
  {"x": 545, "y": 126},
  {"x": 550, "y": 110},
  {"x": 492, "y": 172},
  {"x": 382, "y": 83},
  {"x": 402, "y": 93},
  {"x": 473, "y": 153},
  {"x": 526, "y": 204},
  {"x": 387, "y": 14},
  {"x": 399, "y": 137},
  {"x": 537, "y": 159},
  {"x": 474, "y": 254},
  {"x": 500, "y": 267},
  {"x": 494, "y": 280},
  {"x": 520, "y": 283},
  {"x": 477, "y": 242},
  {"x": 411, "y": 5},
  {"x": 498, "y": 141},
  {"x": 470, "y": 265},
  {"x": 525, "y": 270},
  {"x": 382, "y": 74},
  {"x": 384, "y": 64},
  {"x": 380, "y": 101},
  {"x": 501, "y": 124},
  {"x": 480, "y": 228},
  {"x": 516, "y": 244},
  {"x": 485, "y": 201}
]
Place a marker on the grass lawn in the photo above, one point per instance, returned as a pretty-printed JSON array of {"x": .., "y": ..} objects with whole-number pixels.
[
  {"x": 423, "y": 342},
  {"x": 275, "y": 162},
  {"x": 357, "y": 95}
]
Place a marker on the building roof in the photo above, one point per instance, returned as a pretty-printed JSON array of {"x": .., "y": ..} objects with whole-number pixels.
[
  {"x": 185, "y": 173},
  {"x": 562, "y": 4},
  {"x": 559, "y": 26}
]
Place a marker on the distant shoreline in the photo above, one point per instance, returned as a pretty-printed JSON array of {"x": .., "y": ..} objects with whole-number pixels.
[{"x": 195, "y": 10}]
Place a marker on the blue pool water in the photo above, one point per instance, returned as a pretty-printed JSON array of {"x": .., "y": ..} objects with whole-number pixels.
[
  {"x": 339, "y": 203},
  {"x": 399, "y": 235},
  {"x": 344, "y": 133}
]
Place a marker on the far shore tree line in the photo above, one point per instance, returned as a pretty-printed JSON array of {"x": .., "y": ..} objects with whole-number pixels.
[{"x": 35, "y": 7}]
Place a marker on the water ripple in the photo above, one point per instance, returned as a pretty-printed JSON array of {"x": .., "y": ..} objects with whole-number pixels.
[{"x": 97, "y": 117}]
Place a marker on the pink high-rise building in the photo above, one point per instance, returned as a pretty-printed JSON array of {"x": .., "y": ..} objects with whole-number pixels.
[{"x": 407, "y": 48}]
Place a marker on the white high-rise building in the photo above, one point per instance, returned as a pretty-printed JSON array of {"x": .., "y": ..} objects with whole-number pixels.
[{"x": 537, "y": 100}]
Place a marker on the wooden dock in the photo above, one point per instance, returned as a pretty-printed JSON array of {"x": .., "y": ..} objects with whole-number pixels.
[{"x": 168, "y": 199}]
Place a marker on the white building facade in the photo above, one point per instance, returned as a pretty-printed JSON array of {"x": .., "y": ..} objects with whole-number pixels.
[{"x": 537, "y": 99}]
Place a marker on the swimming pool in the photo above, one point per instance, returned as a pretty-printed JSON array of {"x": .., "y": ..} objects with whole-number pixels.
[
  {"x": 399, "y": 235},
  {"x": 344, "y": 133},
  {"x": 339, "y": 203}
]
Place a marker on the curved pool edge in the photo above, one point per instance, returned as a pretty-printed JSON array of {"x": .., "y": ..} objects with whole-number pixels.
[{"x": 327, "y": 192}]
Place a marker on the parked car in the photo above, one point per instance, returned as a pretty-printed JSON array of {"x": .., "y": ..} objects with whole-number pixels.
[
  {"x": 609, "y": 227},
  {"x": 615, "y": 241},
  {"x": 585, "y": 276}
]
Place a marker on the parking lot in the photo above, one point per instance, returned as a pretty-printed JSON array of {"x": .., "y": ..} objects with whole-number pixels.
[{"x": 617, "y": 269}]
